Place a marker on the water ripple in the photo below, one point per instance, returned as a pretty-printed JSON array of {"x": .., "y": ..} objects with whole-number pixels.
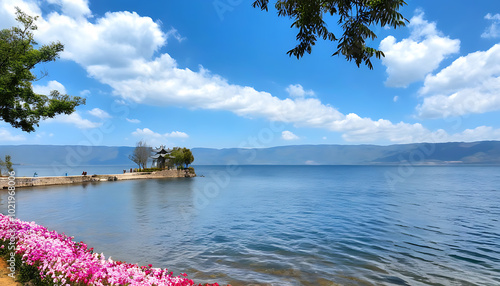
[{"x": 295, "y": 225}]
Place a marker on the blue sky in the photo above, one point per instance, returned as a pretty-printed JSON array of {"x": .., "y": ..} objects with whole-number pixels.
[{"x": 216, "y": 74}]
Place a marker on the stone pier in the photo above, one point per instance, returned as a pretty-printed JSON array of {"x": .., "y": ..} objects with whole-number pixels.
[{"x": 22, "y": 182}]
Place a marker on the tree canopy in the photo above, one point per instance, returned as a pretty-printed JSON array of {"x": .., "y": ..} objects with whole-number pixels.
[
  {"x": 20, "y": 106},
  {"x": 181, "y": 156},
  {"x": 354, "y": 17}
]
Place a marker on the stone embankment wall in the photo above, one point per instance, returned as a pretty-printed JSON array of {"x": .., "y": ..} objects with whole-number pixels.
[{"x": 47, "y": 181}]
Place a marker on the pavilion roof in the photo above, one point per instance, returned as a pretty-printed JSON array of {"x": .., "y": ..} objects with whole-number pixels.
[{"x": 162, "y": 150}]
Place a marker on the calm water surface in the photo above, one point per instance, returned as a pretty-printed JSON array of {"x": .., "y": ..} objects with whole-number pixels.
[{"x": 293, "y": 225}]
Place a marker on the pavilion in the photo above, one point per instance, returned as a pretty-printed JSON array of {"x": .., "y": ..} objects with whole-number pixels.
[{"x": 159, "y": 159}]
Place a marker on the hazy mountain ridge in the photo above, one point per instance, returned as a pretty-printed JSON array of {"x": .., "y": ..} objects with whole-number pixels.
[{"x": 484, "y": 152}]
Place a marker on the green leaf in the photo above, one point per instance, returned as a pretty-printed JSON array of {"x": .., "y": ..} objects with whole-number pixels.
[
  {"x": 354, "y": 17},
  {"x": 19, "y": 105}
]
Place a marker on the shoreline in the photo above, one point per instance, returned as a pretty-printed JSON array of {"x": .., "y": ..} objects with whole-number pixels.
[{"x": 23, "y": 182}]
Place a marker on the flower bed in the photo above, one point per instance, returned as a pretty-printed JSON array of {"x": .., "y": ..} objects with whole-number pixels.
[{"x": 61, "y": 261}]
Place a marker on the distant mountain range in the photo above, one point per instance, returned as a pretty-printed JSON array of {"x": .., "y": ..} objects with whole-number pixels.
[{"x": 484, "y": 152}]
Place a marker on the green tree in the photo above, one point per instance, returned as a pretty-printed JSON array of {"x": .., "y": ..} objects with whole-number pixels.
[
  {"x": 355, "y": 17},
  {"x": 176, "y": 157},
  {"x": 20, "y": 106},
  {"x": 188, "y": 157},
  {"x": 141, "y": 154},
  {"x": 181, "y": 156},
  {"x": 7, "y": 165}
]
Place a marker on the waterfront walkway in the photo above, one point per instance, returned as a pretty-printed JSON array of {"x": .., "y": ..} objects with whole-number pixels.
[{"x": 21, "y": 182}]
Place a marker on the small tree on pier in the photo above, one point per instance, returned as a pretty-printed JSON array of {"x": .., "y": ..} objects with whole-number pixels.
[
  {"x": 141, "y": 154},
  {"x": 181, "y": 156}
]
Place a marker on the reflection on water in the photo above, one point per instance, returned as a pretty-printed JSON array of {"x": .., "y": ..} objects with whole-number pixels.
[{"x": 298, "y": 225}]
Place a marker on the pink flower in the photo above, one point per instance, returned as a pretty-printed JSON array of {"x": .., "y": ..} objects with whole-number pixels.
[{"x": 62, "y": 260}]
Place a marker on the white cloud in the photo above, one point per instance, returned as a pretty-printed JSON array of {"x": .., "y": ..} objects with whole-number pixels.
[
  {"x": 357, "y": 129},
  {"x": 157, "y": 139},
  {"x": 368, "y": 130},
  {"x": 395, "y": 98},
  {"x": 135, "y": 121},
  {"x": 103, "y": 42},
  {"x": 176, "y": 134},
  {"x": 413, "y": 58},
  {"x": 74, "y": 119},
  {"x": 166, "y": 84},
  {"x": 7, "y": 136},
  {"x": 73, "y": 8},
  {"x": 471, "y": 84},
  {"x": 493, "y": 31},
  {"x": 480, "y": 133},
  {"x": 146, "y": 132},
  {"x": 297, "y": 91},
  {"x": 99, "y": 113},
  {"x": 288, "y": 136},
  {"x": 7, "y": 11},
  {"x": 51, "y": 85}
]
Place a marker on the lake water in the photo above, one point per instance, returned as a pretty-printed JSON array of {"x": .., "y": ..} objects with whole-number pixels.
[{"x": 291, "y": 225}]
